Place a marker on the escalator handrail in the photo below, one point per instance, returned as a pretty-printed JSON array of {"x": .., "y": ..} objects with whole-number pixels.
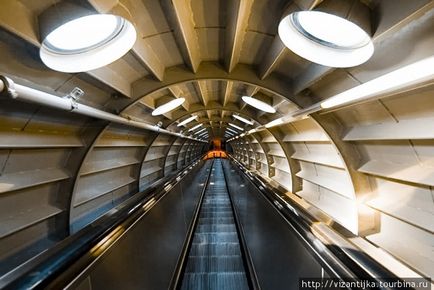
[
  {"x": 252, "y": 277},
  {"x": 336, "y": 257},
  {"x": 63, "y": 262},
  {"x": 176, "y": 280}
]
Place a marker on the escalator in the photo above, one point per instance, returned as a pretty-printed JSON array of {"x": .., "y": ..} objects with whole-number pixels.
[
  {"x": 215, "y": 259},
  {"x": 213, "y": 225}
]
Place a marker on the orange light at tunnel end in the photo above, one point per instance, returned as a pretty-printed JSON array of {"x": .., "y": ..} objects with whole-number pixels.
[{"x": 216, "y": 154}]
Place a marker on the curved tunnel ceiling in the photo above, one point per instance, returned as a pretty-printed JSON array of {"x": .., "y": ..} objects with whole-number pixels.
[{"x": 367, "y": 167}]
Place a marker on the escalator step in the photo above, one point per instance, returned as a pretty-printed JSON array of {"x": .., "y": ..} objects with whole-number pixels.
[
  {"x": 215, "y": 238},
  {"x": 219, "y": 264},
  {"x": 206, "y": 228},
  {"x": 214, "y": 249},
  {"x": 216, "y": 214},
  {"x": 217, "y": 220},
  {"x": 215, "y": 260},
  {"x": 215, "y": 281}
]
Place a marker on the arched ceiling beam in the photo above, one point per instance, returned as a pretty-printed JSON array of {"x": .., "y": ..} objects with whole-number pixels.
[
  {"x": 180, "y": 16},
  {"x": 231, "y": 109},
  {"x": 277, "y": 49},
  {"x": 178, "y": 93},
  {"x": 212, "y": 71},
  {"x": 202, "y": 91},
  {"x": 272, "y": 58},
  {"x": 141, "y": 49},
  {"x": 226, "y": 92},
  {"x": 238, "y": 14}
]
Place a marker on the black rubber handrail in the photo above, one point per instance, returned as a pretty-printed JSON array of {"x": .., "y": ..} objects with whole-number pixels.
[
  {"x": 247, "y": 258},
  {"x": 59, "y": 265},
  {"x": 339, "y": 261},
  {"x": 176, "y": 280}
]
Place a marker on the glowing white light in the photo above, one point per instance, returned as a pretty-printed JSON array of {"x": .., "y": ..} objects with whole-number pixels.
[
  {"x": 186, "y": 121},
  {"x": 229, "y": 130},
  {"x": 236, "y": 127},
  {"x": 273, "y": 123},
  {"x": 260, "y": 105},
  {"x": 201, "y": 130},
  {"x": 325, "y": 39},
  {"x": 83, "y": 32},
  {"x": 243, "y": 119},
  {"x": 409, "y": 75},
  {"x": 332, "y": 29},
  {"x": 195, "y": 127},
  {"x": 87, "y": 43},
  {"x": 167, "y": 107}
]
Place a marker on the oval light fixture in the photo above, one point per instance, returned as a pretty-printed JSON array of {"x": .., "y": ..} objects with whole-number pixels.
[
  {"x": 228, "y": 129},
  {"x": 258, "y": 104},
  {"x": 236, "y": 127},
  {"x": 201, "y": 130},
  {"x": 195, "y": 127},
  {"x": 186, "y": 121},
  {"x": 75, "y": 39},
  {"x": 242, "y": 119},
  {"x": 167, "y": 107},
  {"x": 325, "y": 38}
]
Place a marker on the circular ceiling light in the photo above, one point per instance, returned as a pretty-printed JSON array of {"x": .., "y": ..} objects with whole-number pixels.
[
  {"x": 260, "y": 105},
  {"x": 325, "y": 39},
  {"x": 86, "y": 43},
  {"x": 167, "y": 107}
]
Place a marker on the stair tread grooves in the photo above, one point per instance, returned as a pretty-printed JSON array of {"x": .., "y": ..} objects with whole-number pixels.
[{"x": 215, "y": 260}]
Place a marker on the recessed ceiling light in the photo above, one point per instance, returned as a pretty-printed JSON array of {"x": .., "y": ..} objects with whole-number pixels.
[
  {"x": 87, "y": 42},
  {"x": 325, "y": 39},
  {"x": 236, "y": 127},
  {"x": 260, "y": 105},
  {"x": 243, "y": 119},
  {"x": 186, "y": 121},
  {"x": 195, "y": 127},
  {"x": 167, "y": 107}
]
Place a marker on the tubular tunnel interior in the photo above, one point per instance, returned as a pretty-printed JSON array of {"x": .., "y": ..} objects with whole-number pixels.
[{"x": 97, "y": 192}]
